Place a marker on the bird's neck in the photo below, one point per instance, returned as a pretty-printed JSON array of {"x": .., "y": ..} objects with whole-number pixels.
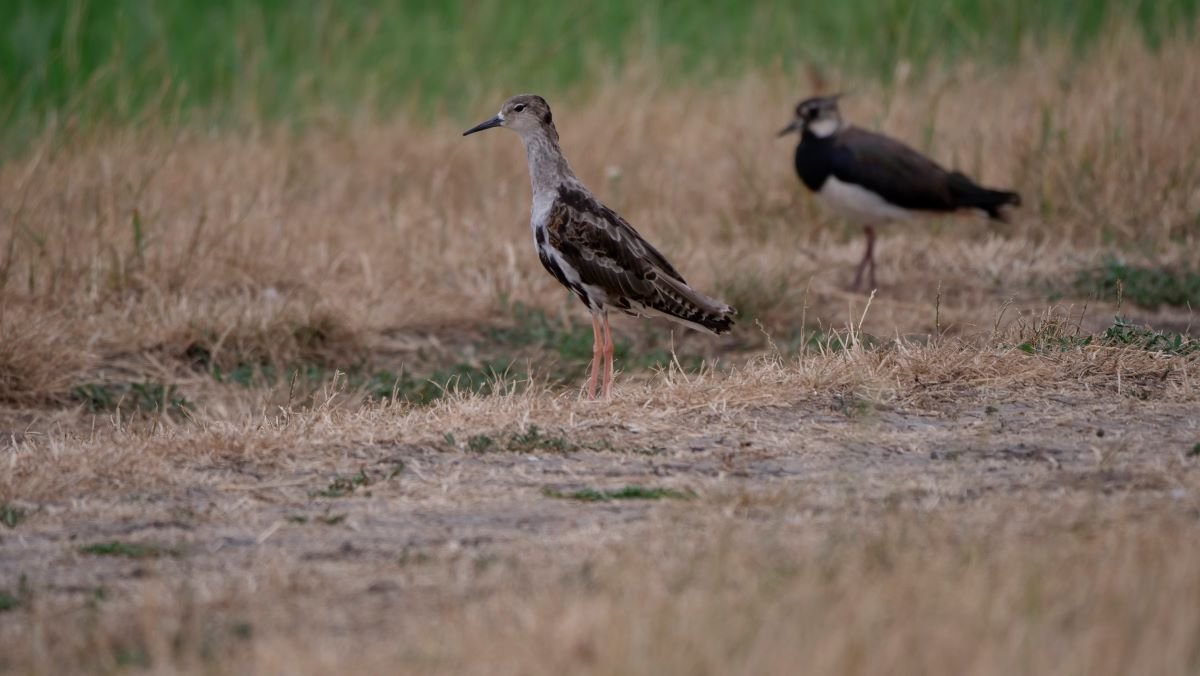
[
  {"x": 824, "y": 128},
  {"x": 548, "y": 168}
]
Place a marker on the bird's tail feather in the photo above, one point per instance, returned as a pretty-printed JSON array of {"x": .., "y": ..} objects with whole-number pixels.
[
  {"x": 968, "y": 194},
  {"x": 683, "y": 303}
]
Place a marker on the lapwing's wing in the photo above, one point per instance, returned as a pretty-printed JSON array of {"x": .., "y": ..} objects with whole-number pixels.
[
  {"x": 606, "y": 252},
  {"x": 892, "y": 170}
]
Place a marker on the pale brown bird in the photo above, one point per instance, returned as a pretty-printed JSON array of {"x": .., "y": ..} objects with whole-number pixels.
[{"x": 591, "y": 250}]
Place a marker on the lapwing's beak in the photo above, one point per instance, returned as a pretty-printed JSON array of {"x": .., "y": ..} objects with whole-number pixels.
[
  {"x": 795, "y": 125},
  {"x": 494, "y": 122}
]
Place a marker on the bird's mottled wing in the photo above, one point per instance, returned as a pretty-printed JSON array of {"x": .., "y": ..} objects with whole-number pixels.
[
  {"x": 607, "y": 253},
  {"x": 604, "y": 249},
  {"x": 887, "y": 167}
]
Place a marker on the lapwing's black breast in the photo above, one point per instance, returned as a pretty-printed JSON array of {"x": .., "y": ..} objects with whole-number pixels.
[{"x": 814, "y": 161}]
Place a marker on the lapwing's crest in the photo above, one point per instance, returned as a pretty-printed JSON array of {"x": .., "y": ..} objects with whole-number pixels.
[
  {"x": 591, "y": 250},
  {"x": 872, "y": 179}
]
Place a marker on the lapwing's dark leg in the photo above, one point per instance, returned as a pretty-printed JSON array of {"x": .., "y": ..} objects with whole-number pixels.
[
  {"x": 608, "y": 359},
  {"x": 868, "y": 260},
  {"x": 597, "y": 350},
  {"x": 871, "y": 255}
]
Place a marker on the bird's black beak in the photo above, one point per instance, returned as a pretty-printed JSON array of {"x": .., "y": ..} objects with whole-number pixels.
[
  {"x": 795, "y": 125},
  {"x": 494, "y": 122}
]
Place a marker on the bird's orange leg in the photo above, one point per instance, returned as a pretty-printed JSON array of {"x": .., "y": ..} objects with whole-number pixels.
[
  {"x": 597, "y": 349},
  {"x": 608, "y": 360}
]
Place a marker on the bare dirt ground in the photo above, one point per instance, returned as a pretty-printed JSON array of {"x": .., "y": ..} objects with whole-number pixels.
[
  {"x": 977, "y": 471},
  {"x": 1001, "y": 496}
]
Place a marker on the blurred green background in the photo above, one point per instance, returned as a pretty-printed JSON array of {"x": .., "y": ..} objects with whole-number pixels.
[{"x": 113, "y": 61}]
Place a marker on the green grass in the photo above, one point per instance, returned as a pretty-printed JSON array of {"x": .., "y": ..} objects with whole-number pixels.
[
  {"x": 8, "y": 601},
  {"x": 531, "y": 439},
  {"x": 131, "y": 550},
  {"x": 1148, "y": 287},
  {"x": 486, "y": 378},
  {"x": 419, "y": 390},
  {"x": 126, "y": 398},
  {"x": 1122, "y": 333},
  {"x": 625, "y": 493},
  {"x": 344, "y": 486},
  {"x": 19, "y": 598},
  {"x": 1125, "y": 333},
  {"x": 121, "y": 59},
  {"x": 572, "y": 341},
  {"x": 11, "y": 515}
]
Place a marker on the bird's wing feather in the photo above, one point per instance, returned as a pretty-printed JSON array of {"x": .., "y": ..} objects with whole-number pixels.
[
  {"x": 604, "y": 249},
  {"x": 608, "y": 253},
  {"x": 891, "y": 169}
]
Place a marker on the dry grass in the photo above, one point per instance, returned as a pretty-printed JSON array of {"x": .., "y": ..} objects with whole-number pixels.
[
  {"x": 948, "y": 502},
  {"x": 267, "y": 246},
  {"x": 935, "y": 508}
]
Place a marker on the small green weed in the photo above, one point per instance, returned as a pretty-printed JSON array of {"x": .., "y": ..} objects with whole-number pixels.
[
  {"x": 149, "y": 397},
  {"x": 606, "y": 445},
  {"x": 625, "y": 493},
  {"x": 822, "y": 342},
  {"x": 1054, "y": 343},
  {"x": 325, "y": 519},
  {"x": 531, "y": 439},
  {"x": 1194, "y": 452},
  {"x": 131, "y": 550},
  {"x": 342, "y": 486},
  {"x": 1148, "y": 287},
  {"x": 533, "y": 327},
  {"x": 572, "y": 341},
  {"x": 1125, "y": 332},
  {"x": 1122, "y": 333},
  {"x": 135, "y": 656},
  {"x": 11, "y": 515},
  {"x": 9, "y": 601},
  {"x": 853, "y": 405},
  {"x": 14, "y": 600},
  {"x": 481, "y": 443},
  {"x": 379, "y": 384},
  {"x": 459, "y": 378}
]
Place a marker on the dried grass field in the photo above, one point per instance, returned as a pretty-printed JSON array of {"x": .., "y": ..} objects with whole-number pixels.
[{"x": 305, "y": 401}]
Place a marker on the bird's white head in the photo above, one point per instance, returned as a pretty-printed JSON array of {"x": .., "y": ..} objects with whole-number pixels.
[
  {"x": 818, "y": 116},
  {"x": 525, "y": 114}
]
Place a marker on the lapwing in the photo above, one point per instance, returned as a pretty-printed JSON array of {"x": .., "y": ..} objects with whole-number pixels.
[
  {"x": 871, "y": 179},
  {"x": 591, "y": 250}
]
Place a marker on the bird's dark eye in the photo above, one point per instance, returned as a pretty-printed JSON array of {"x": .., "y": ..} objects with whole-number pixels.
[{"x": 519, "y": 107}]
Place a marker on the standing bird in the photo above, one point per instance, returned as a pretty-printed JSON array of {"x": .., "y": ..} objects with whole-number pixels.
[
  {"x": 593, "y": 251},
  {"x": 872, "y": 179}
]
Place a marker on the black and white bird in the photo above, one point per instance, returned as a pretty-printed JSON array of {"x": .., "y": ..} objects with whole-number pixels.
[
  {"x": 871, "y": 179},
  {"x": 591, "y": 250}
]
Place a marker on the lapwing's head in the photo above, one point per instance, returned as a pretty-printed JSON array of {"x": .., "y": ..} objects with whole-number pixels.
[
  {"x": 818, "y": 116},
  {"x": 524, "y": 114}
]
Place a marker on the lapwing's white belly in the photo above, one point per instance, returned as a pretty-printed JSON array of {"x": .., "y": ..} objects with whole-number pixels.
[{"x": 859, "y": 204}]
